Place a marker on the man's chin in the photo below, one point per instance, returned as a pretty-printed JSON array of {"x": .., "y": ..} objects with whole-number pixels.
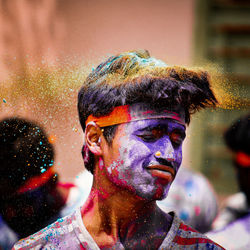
[
  {"x": 161, "y": 192},
  {"x": 158, "y": 194}
]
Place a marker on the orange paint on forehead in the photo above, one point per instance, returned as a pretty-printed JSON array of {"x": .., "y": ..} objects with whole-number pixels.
[{"x": 119, "y": 115}]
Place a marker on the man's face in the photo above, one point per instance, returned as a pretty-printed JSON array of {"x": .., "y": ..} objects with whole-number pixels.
[{"x": 145, "y": 156}]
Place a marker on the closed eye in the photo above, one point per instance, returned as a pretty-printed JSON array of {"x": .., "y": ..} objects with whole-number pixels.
[
  {"x": 147, "y": 138},
  {"x": 177, "y": 137},
  {"x": 152, "y": 135}
]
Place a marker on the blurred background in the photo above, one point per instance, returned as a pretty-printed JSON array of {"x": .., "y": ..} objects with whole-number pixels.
[{"x": 48, "y": 46}]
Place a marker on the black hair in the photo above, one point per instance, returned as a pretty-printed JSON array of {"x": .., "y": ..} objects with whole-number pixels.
[
  {"x": 237, "y": 136},
  {"x": 25, "y": 151},
  {"x": 135, "y": 77}
]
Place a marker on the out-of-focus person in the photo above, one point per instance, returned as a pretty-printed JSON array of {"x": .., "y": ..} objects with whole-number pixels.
[
  {"x": 31, "y": 196},
  {"x": 232, "y": 226},
  {"x": 193, "y": 199}
]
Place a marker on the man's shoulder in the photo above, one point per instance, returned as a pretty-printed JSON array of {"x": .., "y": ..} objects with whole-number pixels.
[
  {"x": 56, "y": 235},
  {"x": 188, "y": 236},
  {"x": 185, "y": 236}
]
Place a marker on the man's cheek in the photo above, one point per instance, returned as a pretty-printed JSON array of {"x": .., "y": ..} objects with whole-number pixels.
[
  {"x": 120, "y": 174},
  {"x": 137, "y": 151},
  {"x": 115, "y": 167},
  {"x": 179, "y": 155},
  {"x": 178, "y": 158}
]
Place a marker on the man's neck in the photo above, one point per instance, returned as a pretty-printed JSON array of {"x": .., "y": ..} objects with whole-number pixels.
[{"x": 113, "y": 215}]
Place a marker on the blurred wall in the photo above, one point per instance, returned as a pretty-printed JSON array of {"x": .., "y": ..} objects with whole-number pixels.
[
  {"x": 41, "y": 39},
  {"x": 98, "y": 28},
  {"x": 222, "y": 38}
]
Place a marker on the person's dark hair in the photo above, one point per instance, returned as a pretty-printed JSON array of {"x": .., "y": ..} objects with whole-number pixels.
[
  {"x": 237, "y": 136},
  {"x": 135, "y": 77},
  {"x": 24, "y": 152}
]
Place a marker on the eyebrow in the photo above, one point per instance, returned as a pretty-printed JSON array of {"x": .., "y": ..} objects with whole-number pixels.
[
  {"x": 151, "y": 127},
  {"x": 165, "y": 127}
]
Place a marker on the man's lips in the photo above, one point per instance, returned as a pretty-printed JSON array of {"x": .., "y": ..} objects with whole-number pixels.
[
  {"x": 163, "y": 168},
  {"x": 162, "y": 171}
]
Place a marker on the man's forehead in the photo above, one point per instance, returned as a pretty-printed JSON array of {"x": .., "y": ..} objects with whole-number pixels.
[
  {"x": 140, "y": 111},
  {"x": 145, "y": 124},
  {"x": 136, "y": 112}
]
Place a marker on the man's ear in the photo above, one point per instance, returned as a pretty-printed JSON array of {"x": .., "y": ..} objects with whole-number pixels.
[{"x": 93, "y": 138}]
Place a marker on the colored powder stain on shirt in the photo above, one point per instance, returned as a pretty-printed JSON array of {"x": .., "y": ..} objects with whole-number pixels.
[
  {"x": 82, "y": 247},
  {"x": 60, "y": 220},
  {"x": 4, "y": 100}
]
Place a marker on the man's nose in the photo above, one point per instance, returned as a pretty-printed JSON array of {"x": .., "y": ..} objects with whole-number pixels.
[{"x": 166, "y": 151}]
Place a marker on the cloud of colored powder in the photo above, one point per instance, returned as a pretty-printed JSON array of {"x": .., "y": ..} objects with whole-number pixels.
[{"x": 231, "y": 92}]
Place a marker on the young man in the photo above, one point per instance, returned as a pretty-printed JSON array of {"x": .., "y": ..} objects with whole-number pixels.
[
  {"x": 134, "y": 110},
  {"x": 31, "y": 195}
]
